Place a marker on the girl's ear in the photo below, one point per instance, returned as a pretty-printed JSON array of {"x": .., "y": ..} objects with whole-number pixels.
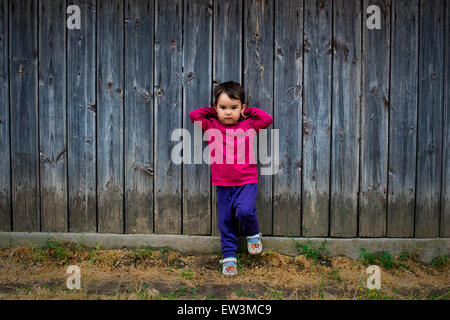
[{"x": 242, "y": 111}]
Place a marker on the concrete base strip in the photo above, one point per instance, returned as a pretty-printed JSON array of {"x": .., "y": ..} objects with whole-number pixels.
[{"x": 425, "y": 249}]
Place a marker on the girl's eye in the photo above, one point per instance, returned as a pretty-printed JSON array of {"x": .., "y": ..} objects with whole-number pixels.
[{"x": 234, "y": 108}]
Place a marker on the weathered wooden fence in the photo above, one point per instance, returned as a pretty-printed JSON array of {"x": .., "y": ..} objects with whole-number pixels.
[{"x": 86, "y": 115}]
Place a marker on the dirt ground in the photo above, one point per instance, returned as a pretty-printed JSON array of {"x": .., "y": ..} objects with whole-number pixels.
[{"x": 30, "y": 272}]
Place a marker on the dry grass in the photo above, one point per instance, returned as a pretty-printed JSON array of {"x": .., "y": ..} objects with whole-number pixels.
[{"x": 39, "y": 273}]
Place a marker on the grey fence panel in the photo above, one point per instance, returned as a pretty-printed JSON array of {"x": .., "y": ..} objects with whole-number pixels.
[
  {"x": 346, "y": 47},
  {"x": 52, "y": 116},
  {"x": 429, "y": 119},
  {"x": 139, "y": 103},
  {"x": 23, "y": 70},
  {"x": 374, "y": 126},
  {"x": 110, "y": 115},
  {"x": 445, "y": 201},
  {"x": 197, "y": 57},
  {"x": 317, "y": 83},
  {"x": 82, "y": 109},
  {"x": 168, "y": 115},
  {"x": 5, "y": 151},
  {"x": 403, "y": 118},
  {"x": 287, "y": 116}
]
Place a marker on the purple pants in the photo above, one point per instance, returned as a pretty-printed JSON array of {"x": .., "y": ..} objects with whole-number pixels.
[{"x": 233, "y": 204}]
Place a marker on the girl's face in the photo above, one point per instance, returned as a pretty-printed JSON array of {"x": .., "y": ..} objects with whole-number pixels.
[{"x": 229, "y": 110}]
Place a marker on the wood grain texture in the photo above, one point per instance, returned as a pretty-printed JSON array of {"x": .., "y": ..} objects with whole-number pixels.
[
  {"x": 287, "y": 116},
  {"x": 227, "y": 60},
  {"x": 168, "y": 115},
  {"x": 5, "y": 151},
  {"x": 197, "y": 79},
  {"x": 110, "y": 115},
  {"x": 363, "y": 115},
  {"x": 52, "y": 116},
  {"x": 429, "y": 119},
  {"x": 346, "y": 46},
  {"x": 139, "y": 112},
  {"x": 403, "y": 119},
  {"x": 82, "y": 110},
  {"x": 24, "y": 115},
  {"x": 445, "y": 192},
  {"x": 258, "y": 84},
  {"x": 316, "y": 120},
  {"x": 374, "y": 125}
]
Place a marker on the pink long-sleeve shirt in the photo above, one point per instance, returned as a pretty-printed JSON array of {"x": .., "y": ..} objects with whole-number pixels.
[{"x": 235, "y": 168}]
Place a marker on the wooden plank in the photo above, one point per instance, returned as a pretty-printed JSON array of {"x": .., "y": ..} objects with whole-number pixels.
[
  {"x": 24, "y": 115},
  {"x": 168, "y": 113},
  {"x": 5, "y": 151},
  {"x": 345, "y": 118},
  {"x": 374, "y": 124},
  {"x": 317, "y": 118},
  {"x": 258, "y": 85},
  {"x": 445, "y": 194},
  {"x": 403, "y": 119},
  {"x": 52, "y": 116},
  {"x": 139, "y": 18},
  {"x": 82, "y": 108},
  {"x": 429, "y": 121},
  {"x": 287, "y": 116},
  {"x": 227, "y": 60},
  {"x": 197, "y": 78},
  {"x": 110, "y": 118}
]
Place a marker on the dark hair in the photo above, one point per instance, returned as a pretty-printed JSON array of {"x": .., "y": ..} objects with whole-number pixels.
[{"x": 233, "y": 90}]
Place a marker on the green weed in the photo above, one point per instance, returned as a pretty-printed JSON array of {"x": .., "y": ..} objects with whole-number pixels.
[
  {"x": 383, "y": 258},
  {"x": 188, "y": 274},
  {"x": 274, "y": 295},
  {"x": 440, "y": 261},
  {"x": 311, "y": 249},
  {"x": 372, "y": 294}
]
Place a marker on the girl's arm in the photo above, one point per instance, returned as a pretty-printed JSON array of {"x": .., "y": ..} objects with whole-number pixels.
[
  {"x": 204, "y": 115},
  {"x": 261, "y": 119}
]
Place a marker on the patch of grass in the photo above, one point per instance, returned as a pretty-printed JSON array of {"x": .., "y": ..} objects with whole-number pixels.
[
  {"x": 311, "y": 249},
  {"x": 244, "y": 293},
  {"x": 440, "y": 261},
  {"x": 163, "y": 250},
  {"x": 58, "y": 251},
  {"x": 246, "y": 260},
  {"x": 143, "y": 254},
  {"x": 383, "y": 258},
  {"x": 94, "y": 257},
  {"x": 177, "y": 293},
  {"x": 188, "y": 274},
  {"x": 372, "y": 294},
  {"x": 139, "y": 256},
  {"x": 335, "y": 276},
  {"x": 321, "y": 289},
  {"x": 274, "y": 295}
]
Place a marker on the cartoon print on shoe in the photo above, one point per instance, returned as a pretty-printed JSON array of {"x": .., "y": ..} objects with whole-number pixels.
[
  {"x": 229, "y": 266},
  {"x": 254, "y": 244}
]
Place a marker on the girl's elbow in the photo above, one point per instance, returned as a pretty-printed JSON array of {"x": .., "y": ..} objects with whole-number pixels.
[{"x": 192, "y": 116}]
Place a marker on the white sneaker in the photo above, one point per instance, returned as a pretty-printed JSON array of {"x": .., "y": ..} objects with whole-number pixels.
[
  {"x": 254, "y": 244},
  {"x": 229, "y": 266}
]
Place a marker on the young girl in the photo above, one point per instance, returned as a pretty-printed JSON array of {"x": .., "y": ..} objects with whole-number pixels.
[{"x": 236, "y": 179}]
